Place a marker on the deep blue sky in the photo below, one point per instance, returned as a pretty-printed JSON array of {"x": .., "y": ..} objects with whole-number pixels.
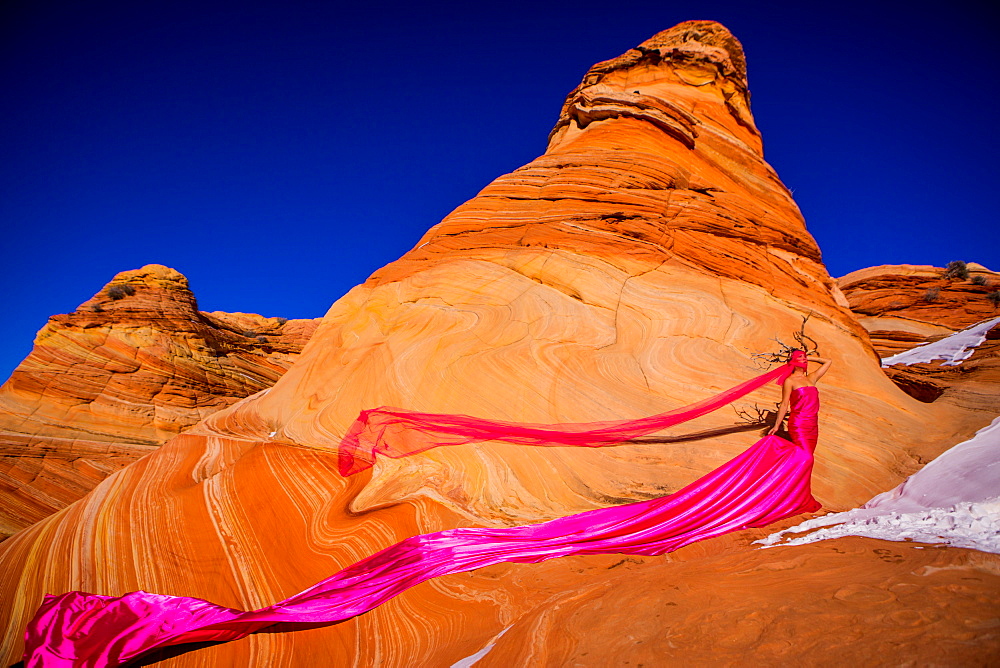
[{"x": 277, "y": 153}]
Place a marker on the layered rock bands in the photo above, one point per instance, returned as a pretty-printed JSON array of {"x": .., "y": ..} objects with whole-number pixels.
[
  {"x": 903, "y": 306},
  {"x": 112, "y": 381},
  {"x": 634, "y": 267}
]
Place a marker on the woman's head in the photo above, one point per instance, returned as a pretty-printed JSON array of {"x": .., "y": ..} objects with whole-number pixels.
[{"x": 798, "y": 359}]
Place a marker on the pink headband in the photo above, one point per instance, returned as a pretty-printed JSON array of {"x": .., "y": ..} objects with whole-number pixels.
[{"x": 798, "y": 359}]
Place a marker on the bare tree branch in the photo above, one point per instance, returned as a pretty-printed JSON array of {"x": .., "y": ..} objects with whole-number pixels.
[{"x": 803, "y": 342}]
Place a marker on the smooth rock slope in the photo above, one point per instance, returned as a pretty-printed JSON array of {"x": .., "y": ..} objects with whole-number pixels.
[{"x": 632, "y": 268}]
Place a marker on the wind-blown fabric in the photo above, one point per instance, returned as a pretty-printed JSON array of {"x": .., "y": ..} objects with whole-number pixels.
[
  {"x": 767, "y": 482},
  {"x": 398, "y": 432}
]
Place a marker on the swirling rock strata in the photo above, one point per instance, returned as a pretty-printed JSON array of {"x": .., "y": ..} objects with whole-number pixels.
[
  {"x": 973, "y": 384},
  {"x": 632, "y": 268},
  {"x": 130, "y": 368}
]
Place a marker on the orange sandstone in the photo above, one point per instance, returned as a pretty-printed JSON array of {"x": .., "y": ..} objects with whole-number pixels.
[
  {"x": 117, "y": 378},
  {"x": 855, "y": 601},
  {"x": 905, "y": 305},
  {"x": 632, "y": 268}
]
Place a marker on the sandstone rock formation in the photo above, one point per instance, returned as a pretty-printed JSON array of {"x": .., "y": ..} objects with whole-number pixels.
[
  {"x": 852, "y": 601},
  {"x": 129, "y": 369},
  {"x": 903, "y": 306},
  {"x": 632, "y": 268},
  {"x": 972, "y": 384}
]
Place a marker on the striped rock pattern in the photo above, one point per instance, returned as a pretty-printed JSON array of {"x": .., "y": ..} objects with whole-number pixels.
[
  {"x": 632, "y": 268},
  {"x": 117, "y": 378},
  {"x": 903, "y": 306},
  {"x": 972, "y": 384}
]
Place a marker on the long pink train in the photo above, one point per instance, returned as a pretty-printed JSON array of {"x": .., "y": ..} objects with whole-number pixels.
[{"x": 766, "y": 483}]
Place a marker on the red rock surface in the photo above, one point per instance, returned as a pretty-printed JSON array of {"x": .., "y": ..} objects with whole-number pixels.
[
  {"x": 117, "y": 378},
  {"x": 972, "y": 384},
  {"x": 848, "y": 602},
  {"x": 632, "y": 268},
  {"x": 905, "y": 305}
]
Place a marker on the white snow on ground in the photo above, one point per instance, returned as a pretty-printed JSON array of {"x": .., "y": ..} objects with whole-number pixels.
[
  {"x": 971, "y": 525},
  {"x": 472, "y": 659},
  {"x": 953, "y": 349},
  {"x": 954, "y": 500}
]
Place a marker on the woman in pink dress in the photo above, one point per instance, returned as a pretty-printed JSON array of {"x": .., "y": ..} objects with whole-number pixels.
[
  {"x": 767, "y": 482},
  {"x": 799, "y": 394}
]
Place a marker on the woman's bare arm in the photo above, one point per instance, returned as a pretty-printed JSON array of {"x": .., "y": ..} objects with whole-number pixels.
[
  {"x": 818, "y": 373},
  {"x": 786, "y": 392}
]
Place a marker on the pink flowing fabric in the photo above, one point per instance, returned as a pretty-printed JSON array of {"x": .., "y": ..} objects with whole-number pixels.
[
  {"x": 766, "y": 483},
  {"x": 398, "y": 432},
  {"x": 803, "y": 416}
]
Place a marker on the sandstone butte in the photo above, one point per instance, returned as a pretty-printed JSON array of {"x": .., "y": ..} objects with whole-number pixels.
[
  {"x": 902, "y": 306},
  {"x": 632, "y": 268},
  {"x": 117, "y": 378}
]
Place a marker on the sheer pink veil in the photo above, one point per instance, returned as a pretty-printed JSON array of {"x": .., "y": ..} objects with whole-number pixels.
[
  {"x": 765, "y": 483},
  {"x": 398, "y": 432}
]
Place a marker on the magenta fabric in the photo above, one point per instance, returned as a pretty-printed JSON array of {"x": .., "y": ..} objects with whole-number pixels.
[
  {"x": 803, "y": 414},
  {"x": 767, "y": 482},
  {"x": 799, "y": 359},
  {"x": 398, "y": 432}
]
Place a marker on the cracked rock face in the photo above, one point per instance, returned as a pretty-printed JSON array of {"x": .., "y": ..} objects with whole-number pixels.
[
  {"x": 632, "y": 268},
  {"x": 130, "y": 368}
]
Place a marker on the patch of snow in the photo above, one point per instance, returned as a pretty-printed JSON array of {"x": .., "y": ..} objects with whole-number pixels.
[
  {"x": 473, "y": 658},
  {"x": 972, "y": 525},
  {"x": 955, "y": 500},
  {"x": 953, "y": 349},
  {"x": 969, "y": 471}
]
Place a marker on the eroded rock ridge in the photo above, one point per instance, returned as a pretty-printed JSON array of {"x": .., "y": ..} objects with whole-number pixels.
[
  {"x": 130, "y": 368},
  {"x": 633, "y": 268}
]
